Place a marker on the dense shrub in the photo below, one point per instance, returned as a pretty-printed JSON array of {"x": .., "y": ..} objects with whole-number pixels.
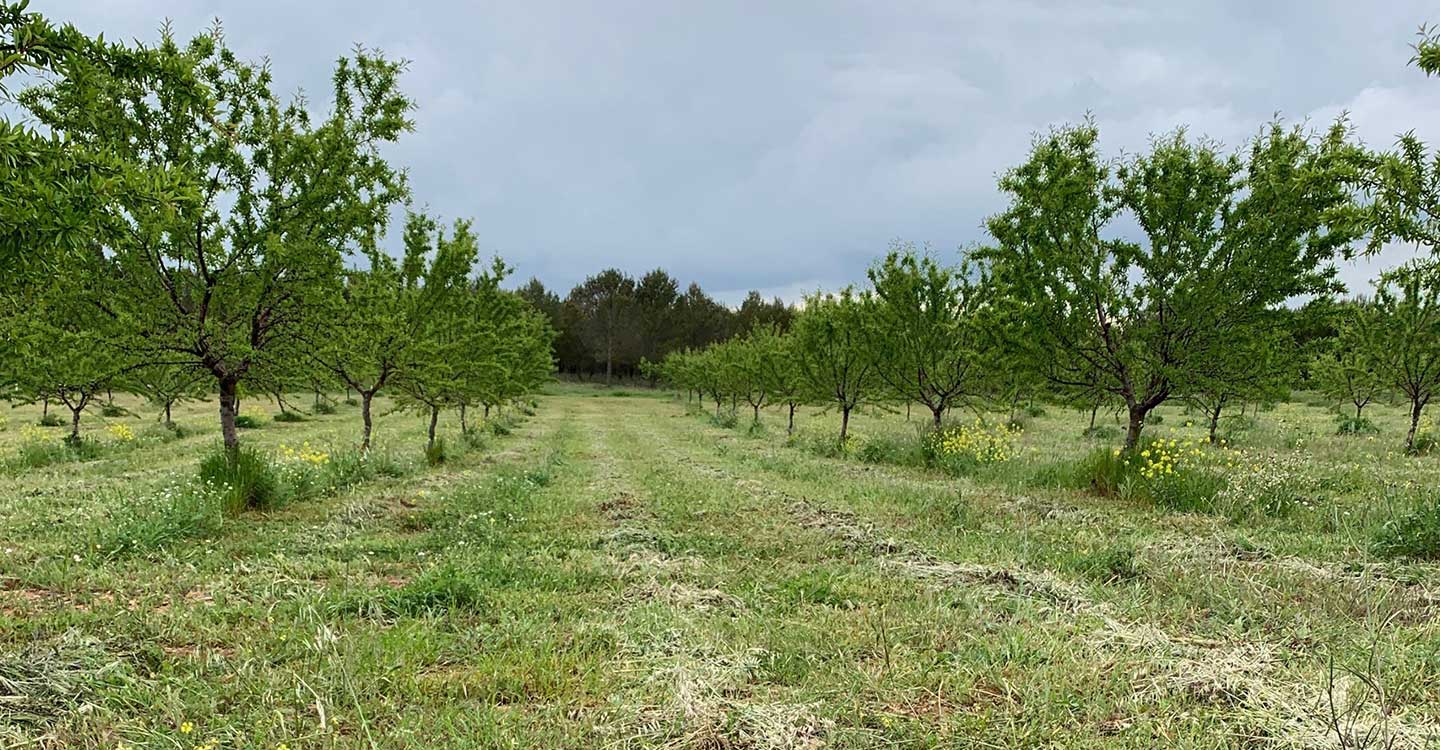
[
  {"x": 961, "y": 449},
  {"x": 436, "y": 453},
  {"x": 244, "y": 480},
  {"x": 725, "y": 419},
  {"x": 1415, "y": 534},
  {"x": 1102, "y": 432},
  {"x": 1350, "y": 425}
]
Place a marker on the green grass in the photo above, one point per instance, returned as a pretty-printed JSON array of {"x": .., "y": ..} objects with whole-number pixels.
[{"x": 613, "y": 573}]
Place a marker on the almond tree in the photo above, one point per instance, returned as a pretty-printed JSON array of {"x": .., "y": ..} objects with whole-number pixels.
[
  {"x": 923, "y": 332},
  {"x": 1401, "y": 335},
  {"x": 1226, "y": 240},
  {"x": 832, "y": 356},
  {"x": 224, "y": 280},
  {"x": 383, "y": 308}
]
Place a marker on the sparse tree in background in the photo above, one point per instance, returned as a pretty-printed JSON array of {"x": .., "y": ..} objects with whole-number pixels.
[
  {"x": 165, "y": 386},
  {"x": 606, "y": 303},
  {"x": 1400, "y": 331},
  {"x": 922, "y": 331},
  {"x": 832, "y": 355},
  {"x": 1227, "y": 241}
]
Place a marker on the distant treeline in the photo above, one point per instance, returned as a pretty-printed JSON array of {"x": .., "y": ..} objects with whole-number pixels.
[{"x": 610, "y": 322}]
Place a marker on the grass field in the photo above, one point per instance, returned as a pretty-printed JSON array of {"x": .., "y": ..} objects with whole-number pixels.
[{"x": 618, "y": 572}]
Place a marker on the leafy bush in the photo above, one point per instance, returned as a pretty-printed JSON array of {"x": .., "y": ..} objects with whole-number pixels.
[
  {"x": 40, "y": 448},
  {"x": 1158, "y": 471},
  {"x": 1425, "y": 443},
  {"x": 498, "y": 427},
  {"x": 726, "y": 419},
  {"x": 246, "y": 422},
  {"x": 177, "y": 512},
  {"x": 1034, "y": 411},
  {"x": 1349, "y": 425},
  {"x": 324, "y": 407},
  {"x": 1415, "y": 534},
  {"x": 435, "y": 453},
  {"x": 51, "y": 420},
  {"x": 886, "y": 449},
  {"x": 289, "y": 416},
  {"x": 1265, "y": 484},
  {"x": 244, "y": 480},
  {"x": 961, "y": 449},
  {"x": 1101, "y": 432}
]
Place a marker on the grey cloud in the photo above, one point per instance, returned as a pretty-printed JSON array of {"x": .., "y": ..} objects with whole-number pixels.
[{"x": 781, "y": 146}]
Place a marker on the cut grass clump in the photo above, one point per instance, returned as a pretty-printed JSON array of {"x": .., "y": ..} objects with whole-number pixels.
[
  {"x": 51, "y": 420},
  {"x": 727, "y": 420},
  {"x": 247, "y": 422},
  {"x": 243, "y": 478},
  {"x": 289, "y": 416},
  {"x": 1415, "y": 534},
  {"x": 324, "y": 407},
  {"x": 113, "y": 410},
  {"x": 47, "y": 451},
  {"x": 42, "y": 684}
]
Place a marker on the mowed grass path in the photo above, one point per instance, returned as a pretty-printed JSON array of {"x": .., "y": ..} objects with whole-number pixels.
[{"x": 618, "y": 573}]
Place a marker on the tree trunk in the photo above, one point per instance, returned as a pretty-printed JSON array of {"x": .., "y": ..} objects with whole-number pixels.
[
  {"x": 168, "y": 421},
  {"x": 464, "y": 425},
  {"x": 1137, "y": 423},
  {"x": 487, "y": 412},
  {"x": 434, "y": 417},
  {"x": 75, "y": 410},
  {"x": 1215, "y": 420},
  {"x": 790, "y": 428},
  {"x": 1358, "y": 408},
  {"x": 45, "y": 408},
  {"x": 229, "y": 408},
  {"x": 756, "y": 407},
  {"x": 1093, "y": 409},
  {"x": 938, "y": 412},
  {"x": 1416, "y": 406},
  {"x": 844, "y": 424},
  {"x": 718, "y": 402},
  {"x": 368, "y": 425},
  {"x": 609, "y": 359}
]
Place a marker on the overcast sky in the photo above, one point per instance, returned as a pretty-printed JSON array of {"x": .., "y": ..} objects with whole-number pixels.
[{"x": 781, "y": 146}]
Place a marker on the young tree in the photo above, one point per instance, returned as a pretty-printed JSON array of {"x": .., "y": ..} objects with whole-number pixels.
[
  {"x": 922, "y": 330},
  {"x": 367, "y": 338},
  {"x": 51, "y": 346},
  {"x": 1227, "y": 240},
  {"x": 1257, "y": 368},
  {"x": 832, "y": 357},
  {"x": 167, "y": 385},
  {"x": 778, "y": 368},
  {"x": 1346, "y": 372},
  {"x": 1400, "y": 332},
  {"x": 224, "y": 280}
]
